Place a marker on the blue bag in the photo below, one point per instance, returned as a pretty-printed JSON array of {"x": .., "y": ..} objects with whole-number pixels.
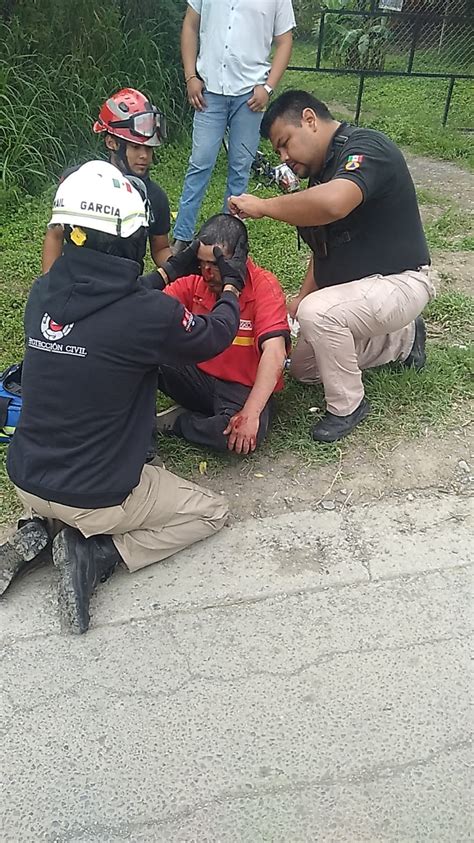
[{"x": 10, "y": 401}]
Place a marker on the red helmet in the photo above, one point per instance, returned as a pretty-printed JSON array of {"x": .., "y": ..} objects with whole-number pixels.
[{"x": 130, "y": 116}]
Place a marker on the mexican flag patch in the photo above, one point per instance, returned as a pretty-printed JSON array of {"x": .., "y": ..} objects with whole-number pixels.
[{"x": 353, "y": 162}]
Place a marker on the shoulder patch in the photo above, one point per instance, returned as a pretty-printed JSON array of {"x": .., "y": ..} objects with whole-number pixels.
[
  {"x": 353, "y": 162},
  {"x": 188, "y": 321}
]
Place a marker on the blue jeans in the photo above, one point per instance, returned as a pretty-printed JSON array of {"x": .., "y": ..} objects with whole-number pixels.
[{"x": 222, "y": 113}]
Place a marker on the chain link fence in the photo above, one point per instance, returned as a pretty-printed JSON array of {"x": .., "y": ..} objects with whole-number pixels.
[{"x": 403, "y": 38}]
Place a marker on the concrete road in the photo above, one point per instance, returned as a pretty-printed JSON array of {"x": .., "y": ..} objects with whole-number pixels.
[{"x": 297, "y": 678}]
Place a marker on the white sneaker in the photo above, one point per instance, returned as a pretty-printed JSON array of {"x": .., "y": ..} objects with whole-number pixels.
[{"x": 166, "y": 419}]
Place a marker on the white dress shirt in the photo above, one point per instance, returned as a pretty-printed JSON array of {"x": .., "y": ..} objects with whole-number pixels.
[{"x": 235, "y": 39}]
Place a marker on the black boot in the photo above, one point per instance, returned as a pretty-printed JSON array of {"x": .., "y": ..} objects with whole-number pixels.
[
  {"x": 331, "y": 428},
  {"x": 417, "y": 357},
  {"x": 21, "y": 549},
  {"x": 82, "y": 563}
]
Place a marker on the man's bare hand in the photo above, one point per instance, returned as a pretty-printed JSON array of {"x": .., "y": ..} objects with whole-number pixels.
[
  {"x": 246, "y": 206},
  {"x": 194, "y": 88},
  {"x": 292, "y": 305},
  {"x": 242, "y": 432},
  {"x": 259, "y": 99}
]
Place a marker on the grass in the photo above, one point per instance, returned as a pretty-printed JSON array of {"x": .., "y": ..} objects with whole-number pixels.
[
  {"x": 403, "y": 403},
  {"x": 454, "y": 313},
  {"x": 56, "y": 69}
]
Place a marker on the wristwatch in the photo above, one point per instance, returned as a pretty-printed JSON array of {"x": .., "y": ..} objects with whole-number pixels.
[{"x": 268, "y": 89}]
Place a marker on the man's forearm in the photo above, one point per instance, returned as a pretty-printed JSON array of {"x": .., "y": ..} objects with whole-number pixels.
[
  {"x": 281, "y": 58},
  {"x": 268, "y": 373},
  {"x": 189, "y": 48},
  {"x": 309, "y": 284},
  {"x": 307, "y": 208},
  {"x": 318, "y": 205},
  {"x": 52, "y": 248}
]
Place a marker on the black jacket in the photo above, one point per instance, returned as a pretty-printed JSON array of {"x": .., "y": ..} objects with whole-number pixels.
[{"x": 95, "y": 334}]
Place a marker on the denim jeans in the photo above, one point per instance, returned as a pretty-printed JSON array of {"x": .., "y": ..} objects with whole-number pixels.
[{"x": 222, "y": 113}]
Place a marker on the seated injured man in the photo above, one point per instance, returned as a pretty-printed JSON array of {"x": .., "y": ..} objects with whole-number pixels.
[{"x": 226, "y": 402}]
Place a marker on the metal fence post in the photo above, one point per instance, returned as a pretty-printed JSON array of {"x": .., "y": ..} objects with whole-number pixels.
[
  {"x": 448, "y": 99},
  {"x": 320, "y": 41},
  {"x": 360, "y": 94}
]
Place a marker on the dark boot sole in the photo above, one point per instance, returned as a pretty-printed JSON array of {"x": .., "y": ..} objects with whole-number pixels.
[
  {"x": 69, "y": 610},
  {"x": 20, "y": 550},
  {"x": 341, "y": 435}
]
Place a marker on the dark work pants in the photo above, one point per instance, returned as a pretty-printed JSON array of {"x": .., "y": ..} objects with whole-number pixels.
[{"x": 211, "y": 402}]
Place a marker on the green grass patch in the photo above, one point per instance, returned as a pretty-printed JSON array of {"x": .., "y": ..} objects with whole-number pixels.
[
  {"x": 454, "y": 312},
  {"x": 453, "y": 230}
]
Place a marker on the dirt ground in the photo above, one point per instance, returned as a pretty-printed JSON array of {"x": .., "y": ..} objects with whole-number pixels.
[
  {"x": 455, "y": 270},
  {"x": 443, "y": 177},
  {"x": 260, "y": 487}
]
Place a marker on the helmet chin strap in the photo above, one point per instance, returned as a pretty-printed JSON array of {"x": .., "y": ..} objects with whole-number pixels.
[{"x": 121, "y": 154}]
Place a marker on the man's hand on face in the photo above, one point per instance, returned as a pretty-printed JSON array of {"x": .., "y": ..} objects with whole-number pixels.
[
  {"x": 194, "y": 87},
  {"x": 233, "y": 270},
  {"x": 246, "y": 206},
  {"x": 259, "y": 99},
  {"x": 182, "y": 264},
  {"x": 242, "y": 432}
]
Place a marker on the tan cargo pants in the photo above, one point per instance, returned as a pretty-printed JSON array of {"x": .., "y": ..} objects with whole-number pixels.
[
  {"x": 355, "y": 326},
  {"x": 162, "y": 515}
]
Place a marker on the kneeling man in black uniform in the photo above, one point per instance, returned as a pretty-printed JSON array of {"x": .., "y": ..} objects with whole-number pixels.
[
  {"x": 96, "y": 333},
  {"x": 369, "y": 278}
]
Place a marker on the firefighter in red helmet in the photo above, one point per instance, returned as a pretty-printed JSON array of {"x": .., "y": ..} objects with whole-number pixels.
[{"x": 132, "y": 128}]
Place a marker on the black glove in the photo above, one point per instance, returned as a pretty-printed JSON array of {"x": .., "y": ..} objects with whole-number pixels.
[
  {"x": 233, "y": 270},
  {"x": 184, "y": 263}
]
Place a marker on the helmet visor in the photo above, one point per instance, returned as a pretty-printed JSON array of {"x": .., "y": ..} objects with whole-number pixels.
[{"x": 147, "y": 124}]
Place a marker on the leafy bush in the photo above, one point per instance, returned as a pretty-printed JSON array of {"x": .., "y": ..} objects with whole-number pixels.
[
  {"x": 305, "y": 14},
  {"x": 352, "y": 41},
  {"x": 57, "y": 66},
  {"x": 364, "y": 45}
]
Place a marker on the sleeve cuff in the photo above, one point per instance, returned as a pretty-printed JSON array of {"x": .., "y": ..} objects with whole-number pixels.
[{"x": 276, "y": 333}]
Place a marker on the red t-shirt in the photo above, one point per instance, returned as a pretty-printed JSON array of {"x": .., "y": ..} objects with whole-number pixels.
[{"x": 262, "y": 315}]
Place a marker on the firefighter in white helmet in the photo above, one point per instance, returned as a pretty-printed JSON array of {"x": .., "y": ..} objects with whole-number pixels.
[{"x": 95, "y": 334}]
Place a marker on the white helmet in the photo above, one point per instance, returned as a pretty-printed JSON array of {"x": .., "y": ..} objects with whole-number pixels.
[{"x": 100, "y": 197}]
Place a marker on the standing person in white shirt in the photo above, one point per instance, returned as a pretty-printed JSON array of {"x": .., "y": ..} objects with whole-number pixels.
[{"x": 229, "y": 83}]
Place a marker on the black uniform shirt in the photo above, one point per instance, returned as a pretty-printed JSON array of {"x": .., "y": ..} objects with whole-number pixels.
[
  {"x": 383, "y": 235},
  {"x": 160, "y": 207}
]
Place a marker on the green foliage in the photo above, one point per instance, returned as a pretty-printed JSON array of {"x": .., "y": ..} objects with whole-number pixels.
[
  {"x": 352, "y": 41},
  {"x": 305, "y": 16},
  {"x": 58, "y": 65},
  {"x": 454, "y": 311},
  {"x": 364, "y": 46}
]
